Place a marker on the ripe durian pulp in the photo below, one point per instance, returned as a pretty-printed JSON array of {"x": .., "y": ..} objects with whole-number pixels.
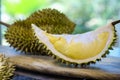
[{"x": 78, "y": 48}]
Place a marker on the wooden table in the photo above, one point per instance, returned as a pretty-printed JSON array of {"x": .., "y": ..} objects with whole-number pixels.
[{"x": 45, "y": 68}]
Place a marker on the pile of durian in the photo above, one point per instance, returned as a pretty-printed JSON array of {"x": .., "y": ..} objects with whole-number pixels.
[{"x": 49, "y": 32}]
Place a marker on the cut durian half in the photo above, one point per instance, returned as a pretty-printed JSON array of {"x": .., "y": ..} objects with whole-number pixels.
[{"x": 78, "y": 48}]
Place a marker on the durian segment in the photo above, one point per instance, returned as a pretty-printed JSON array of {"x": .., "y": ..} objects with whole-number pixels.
[
  {"x": 6, "y": 69},
  {"x": 78, "y": 48}
]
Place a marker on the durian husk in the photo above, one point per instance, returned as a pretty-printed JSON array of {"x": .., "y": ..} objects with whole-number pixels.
[
  {"x": 20, "y": 34},
  {"x": 21, "y": 37},
  {"x": 62, "y": 61},
  {"x": 52, "y": 21},
  {"x": 6, "y": 68}
]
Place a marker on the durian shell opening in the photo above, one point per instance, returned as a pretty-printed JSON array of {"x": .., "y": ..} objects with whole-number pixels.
[{"x": 106, "y": 37}]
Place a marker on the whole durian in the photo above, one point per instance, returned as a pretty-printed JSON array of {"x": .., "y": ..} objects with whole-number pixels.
[
  {"x": 6, "y": 68},
  {"x": 20, "y": 34},
  {"x": 21, "y": 37},
  {"x": 52, "y": 21}
]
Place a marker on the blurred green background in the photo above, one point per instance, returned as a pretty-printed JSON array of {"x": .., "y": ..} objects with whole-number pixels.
[{"x": 87, "y": 14}]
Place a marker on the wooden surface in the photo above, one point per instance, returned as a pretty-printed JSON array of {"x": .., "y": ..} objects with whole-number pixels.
[{"x": 107, "y": 69}]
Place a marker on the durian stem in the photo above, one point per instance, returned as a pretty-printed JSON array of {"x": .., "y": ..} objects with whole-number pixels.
[
  {"x": 5, "y": 24},
  {"x": 115, "y": 22}
]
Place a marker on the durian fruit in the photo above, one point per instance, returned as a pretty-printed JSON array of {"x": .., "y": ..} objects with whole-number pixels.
[
  {"x": 6, "y": 69},
  {"x": 78, "y": 49},
  {"x": 52, "y": 21},
  {"x": 20, "y": 35}
]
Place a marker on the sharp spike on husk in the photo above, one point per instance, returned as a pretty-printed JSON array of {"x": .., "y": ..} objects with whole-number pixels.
[
  {"x": 107, "y": 52},
  {"x": 104, "y": 55},
  {"x": 110, "y": 48}
]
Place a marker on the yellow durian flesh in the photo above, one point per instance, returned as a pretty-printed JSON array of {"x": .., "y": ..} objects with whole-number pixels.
[{"x": 78, "y": 48}]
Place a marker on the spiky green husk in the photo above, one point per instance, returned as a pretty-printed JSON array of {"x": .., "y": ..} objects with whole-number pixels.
[
  {"x": 22, "y": 38},
  {"x": 75, "y": 64},
  {"x": 20, "y": 35},
  {"x": 6, "y": 68},
  {"x": 52, "y": 21}
]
